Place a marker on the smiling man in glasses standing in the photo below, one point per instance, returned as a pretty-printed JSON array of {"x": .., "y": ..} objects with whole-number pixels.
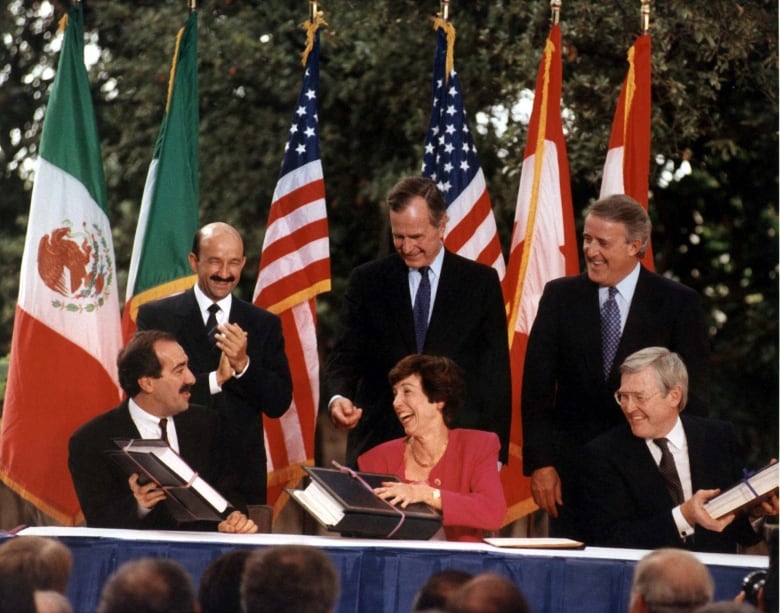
[
  {"x": 584, "y": 328},
  {"x": 648, "y": 480}
]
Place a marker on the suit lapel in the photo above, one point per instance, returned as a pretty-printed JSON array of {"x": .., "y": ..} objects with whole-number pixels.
[
  {"x": 586, "y": 318},
  {"x": 639, "y": 313},
  {"x": 192, "y": 334},
  {"x": 446, "y": 293},
  {"x": 399, "y": 302},
  {"x": 643, "y": 472}
]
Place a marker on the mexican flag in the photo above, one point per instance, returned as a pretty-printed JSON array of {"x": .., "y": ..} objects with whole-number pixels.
[
  {"x": 169, "y": 208},
  {"x": 66, "y": 330}
]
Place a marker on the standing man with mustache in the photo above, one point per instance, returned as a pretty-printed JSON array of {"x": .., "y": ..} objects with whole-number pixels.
[
  {"x": 235, "y": 349},
  {"x": 153, "y": 372},
  {"x": 585, "y": 327}
]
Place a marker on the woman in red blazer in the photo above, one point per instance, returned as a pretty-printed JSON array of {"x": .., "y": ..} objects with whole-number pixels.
[{"x": 454, "y": 471}]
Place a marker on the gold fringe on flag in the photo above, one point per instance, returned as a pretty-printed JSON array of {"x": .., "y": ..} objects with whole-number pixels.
[
  {"x": 311, "y": 27},
  {"x": 449, "y": 30},
  {"x": 63, "y": 23},
  {"x": 173, "y": 69}
]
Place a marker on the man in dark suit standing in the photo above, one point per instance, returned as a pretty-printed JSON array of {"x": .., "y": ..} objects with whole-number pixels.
[
  {"x": 585, "y": 326},
  {"x": 153, "y": 372},
  {"x": 649, "y": 480},
  {"x": 235, "y": 349},
  {"x": 421, "y": 299}
]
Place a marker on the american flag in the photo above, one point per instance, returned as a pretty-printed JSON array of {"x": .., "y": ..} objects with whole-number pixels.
[
  {"x": 294, "y": 268},
  {"x": 450, "y": 159}
]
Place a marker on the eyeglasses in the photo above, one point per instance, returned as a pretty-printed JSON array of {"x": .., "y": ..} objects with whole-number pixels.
[{"x": 623, "y": 398}]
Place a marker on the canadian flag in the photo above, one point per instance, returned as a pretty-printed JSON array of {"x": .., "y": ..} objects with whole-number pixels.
[{"x": 627, "y": 167}]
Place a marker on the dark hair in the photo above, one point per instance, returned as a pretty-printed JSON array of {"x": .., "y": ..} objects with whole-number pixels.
[
  {"x": 220, "y": 585},
  {"x": 148, "y": 585},
  {"x": 44, "y": 562},
  {"x": 441, "y": 378},
  {"x": 620, "y": 208},
  {"x": 289, "y": 579},
  {"x": 439, "y": 587},
  {"x": 139, "y": 359},
  {"x": 488, "y": 593},
  {"x": 407, "y": 188}
]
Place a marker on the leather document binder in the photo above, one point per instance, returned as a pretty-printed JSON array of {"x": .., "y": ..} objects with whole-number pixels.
[{"x": 342, "y": 501}]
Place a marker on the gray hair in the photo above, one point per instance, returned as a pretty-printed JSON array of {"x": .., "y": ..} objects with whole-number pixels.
[
  {"x": 668, "y": 367},
  {"x": 620, "y": 208},
  {"x": 672, "y": 581}
]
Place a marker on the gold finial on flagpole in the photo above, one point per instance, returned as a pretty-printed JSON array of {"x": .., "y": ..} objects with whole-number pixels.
[
  {"x": 314, "y": 11},
  {"x": 193, "y": 5},
  {"x": 444, "y": 10},
  {"x": 645, "y": 15},
  {"x": 555, "y": 6}
]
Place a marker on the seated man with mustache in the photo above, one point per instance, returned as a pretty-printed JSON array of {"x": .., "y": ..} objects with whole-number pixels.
[{"x": 154, "y": 374}]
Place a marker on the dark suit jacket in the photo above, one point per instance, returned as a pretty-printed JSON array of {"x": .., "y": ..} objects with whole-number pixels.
[
  {"x": 101, "y": 485},
  {"x": 266, "y": 387},
  {"x": 565, "y": 400},
  {"x": 628, "y": 503},
  {"x": 468, "y": 325}
]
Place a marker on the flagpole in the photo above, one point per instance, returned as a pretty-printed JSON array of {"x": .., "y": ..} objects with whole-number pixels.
[
  {"x": 313, "y": 10},
  {"x": 555, "y": 6},
  {"x": 193, "y": 6},
  {"x": 645, "y": 15}
]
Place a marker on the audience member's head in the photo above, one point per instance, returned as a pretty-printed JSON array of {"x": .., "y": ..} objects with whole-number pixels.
[
  {"x": 149, "y": 585},
  {"x": 44, "y": 562},
  {"x": 488, "y": 593},
  {"x": 727, "y": 606},
  {"x": 289, "y": 579},
  {"x": 49, "y": 601},
  {"x": 670, "y": 581},
  {"x": 16, "y": 596},
  {"x": 439, "y": 587},
  {"x": 220, "y": 585}
]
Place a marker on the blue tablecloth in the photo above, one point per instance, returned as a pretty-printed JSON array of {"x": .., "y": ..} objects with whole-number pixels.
[{"x": 384, "y": 576}]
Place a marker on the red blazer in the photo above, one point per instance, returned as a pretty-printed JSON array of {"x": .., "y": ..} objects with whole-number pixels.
[{"x": 472, "y": 498}]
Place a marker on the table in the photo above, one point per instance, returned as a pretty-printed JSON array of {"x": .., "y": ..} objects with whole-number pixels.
[{"x": 380, "y": 576}]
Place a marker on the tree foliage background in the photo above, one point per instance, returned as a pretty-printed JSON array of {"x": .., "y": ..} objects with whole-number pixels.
[{"x": 715, "y": 86}]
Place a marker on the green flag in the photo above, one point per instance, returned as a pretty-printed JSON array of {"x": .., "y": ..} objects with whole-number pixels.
[{"x": 169, "y": 209}]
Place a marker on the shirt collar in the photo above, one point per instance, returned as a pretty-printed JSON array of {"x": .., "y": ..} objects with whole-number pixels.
[
  {"x": 676, "y": 436},
  {"x": 148, "y": 425},
  {"x": 204, "y": 302},
  {"x": 435, "y": 266},
  {"x": 627, "y": 285}
]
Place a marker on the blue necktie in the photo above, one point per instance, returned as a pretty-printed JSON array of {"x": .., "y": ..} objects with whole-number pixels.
[
  {"x": 422, "y": 302},
  {"x": 610, "y": 331}
]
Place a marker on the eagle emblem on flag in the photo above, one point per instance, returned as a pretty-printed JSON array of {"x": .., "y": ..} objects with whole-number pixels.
[{"x": 76, "y": 265}]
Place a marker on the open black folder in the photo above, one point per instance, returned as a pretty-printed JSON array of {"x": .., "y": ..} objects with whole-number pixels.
[
  {"x": 342, "y": 501},
  {"x": 189, "y": 496}
]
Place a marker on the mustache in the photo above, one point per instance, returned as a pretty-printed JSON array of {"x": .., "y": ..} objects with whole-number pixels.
[
  {"x": 185, "y": 388},
  {"x": 219, "y": 279}
]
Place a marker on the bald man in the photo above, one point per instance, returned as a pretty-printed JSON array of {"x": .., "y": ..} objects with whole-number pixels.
[
  {"x": 235, "y": 350},
  {"x": 670, "y": 577}
]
